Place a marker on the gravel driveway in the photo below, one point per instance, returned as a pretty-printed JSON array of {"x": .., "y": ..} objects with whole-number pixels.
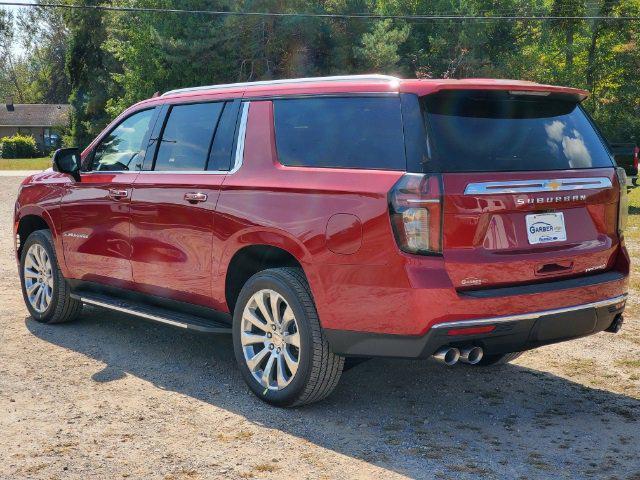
[{"x": 111, "y": 396}]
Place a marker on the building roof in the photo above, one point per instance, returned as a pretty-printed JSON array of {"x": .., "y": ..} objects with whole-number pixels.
[{"x": 34, "y": 115}]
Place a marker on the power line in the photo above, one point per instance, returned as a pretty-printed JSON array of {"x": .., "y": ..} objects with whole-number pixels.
[{"x": 339, "y": 16}]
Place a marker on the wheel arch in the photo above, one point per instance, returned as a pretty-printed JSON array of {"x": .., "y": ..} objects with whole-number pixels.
[
  {"x": 29, "y": 221},
  {"x": 251, "y": 259}
]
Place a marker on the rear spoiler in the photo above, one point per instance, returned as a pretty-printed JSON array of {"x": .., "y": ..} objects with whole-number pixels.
[{"x": 427, "y": 87}]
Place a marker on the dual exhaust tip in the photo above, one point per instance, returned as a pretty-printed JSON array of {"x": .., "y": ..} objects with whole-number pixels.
[{"x": 452, "y": 355}]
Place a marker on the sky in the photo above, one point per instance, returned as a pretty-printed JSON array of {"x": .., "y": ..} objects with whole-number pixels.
[{"x": 17, "y": 48}]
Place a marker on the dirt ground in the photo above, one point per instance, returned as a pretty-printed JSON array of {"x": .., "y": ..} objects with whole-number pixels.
[{"x": 111, "y": 396}]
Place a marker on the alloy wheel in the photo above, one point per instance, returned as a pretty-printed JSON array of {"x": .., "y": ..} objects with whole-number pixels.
[
  {"x": 38, "y": 278},
  {"x": 270, "y": 339}
]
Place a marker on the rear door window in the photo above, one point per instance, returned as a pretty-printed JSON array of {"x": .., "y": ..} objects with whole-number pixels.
[
  {"x": 187, "y": 137},
  {"x": 221, "y": 156},
  {"x": 479, "y": 131},
  {"x": 344, "y": 132}
]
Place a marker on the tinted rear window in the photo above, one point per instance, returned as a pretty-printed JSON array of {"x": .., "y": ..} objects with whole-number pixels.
[
  {"x": 355, "y": 132},
  {"x": 497, "y": 131}
]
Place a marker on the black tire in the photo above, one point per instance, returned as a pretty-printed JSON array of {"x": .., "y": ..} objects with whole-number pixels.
[
  {"x": 634, "y": 181},
  {"x": 499, "y": 359},
  {"x": 62, "y": 307},
  {"x": 319, "y": 369}
]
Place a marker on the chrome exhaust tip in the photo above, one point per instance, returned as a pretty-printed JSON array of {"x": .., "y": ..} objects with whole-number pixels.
[
  {"x": 447, "y": 355},
  {"x": 471, "y": 355}
]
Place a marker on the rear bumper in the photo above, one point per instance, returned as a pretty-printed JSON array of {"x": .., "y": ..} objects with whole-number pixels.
[{"x": 512, "y": 333}]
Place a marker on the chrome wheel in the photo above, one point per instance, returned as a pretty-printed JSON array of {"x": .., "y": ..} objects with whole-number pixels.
[
  {"x": 38, "y": 278},
  {"x": 270, "y": 339}
]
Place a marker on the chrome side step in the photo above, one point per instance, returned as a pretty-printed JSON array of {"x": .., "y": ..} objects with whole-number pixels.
[{"x": 154, "y": 313}]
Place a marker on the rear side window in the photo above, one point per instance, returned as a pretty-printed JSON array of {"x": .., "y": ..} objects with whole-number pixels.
[
  {"x": 478, "y": 131},
  {"x": 187, "y": 136},
  {"x": 349, "y": 132}
]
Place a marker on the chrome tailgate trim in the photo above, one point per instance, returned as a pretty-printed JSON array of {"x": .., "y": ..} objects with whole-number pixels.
[
  {"x": 531, "y": 315},
  {"x": 533, "y": 186}
]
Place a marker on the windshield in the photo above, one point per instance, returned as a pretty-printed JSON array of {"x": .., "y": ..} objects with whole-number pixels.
[{"x": 478, "y": 131}]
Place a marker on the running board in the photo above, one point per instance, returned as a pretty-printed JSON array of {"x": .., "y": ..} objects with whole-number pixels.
[{"x": 154, "y": 313}]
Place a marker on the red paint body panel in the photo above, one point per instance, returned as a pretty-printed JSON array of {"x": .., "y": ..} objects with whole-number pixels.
[
  {"x": 335, "y": 222},
  {"x": 485, "y": 237},
  {"x": 289, "y": 207},
  {"x": 172, "y": 239},
  {"x": 96, "y": 236}
]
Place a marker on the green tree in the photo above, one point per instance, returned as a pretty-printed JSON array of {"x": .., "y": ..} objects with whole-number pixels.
[
  {"x": 379, "y": 51},
  {"x": 89, "y": 71}
]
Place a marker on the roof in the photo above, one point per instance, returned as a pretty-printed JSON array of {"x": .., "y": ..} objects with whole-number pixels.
[
  {"x": 34, "y": 115},
  {"x": 366, "y": 83}
]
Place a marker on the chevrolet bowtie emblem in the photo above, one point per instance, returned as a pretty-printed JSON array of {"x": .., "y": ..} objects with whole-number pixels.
[{"x": 553, "y": 185}]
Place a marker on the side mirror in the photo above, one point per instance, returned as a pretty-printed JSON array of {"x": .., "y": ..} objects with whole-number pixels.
[{"x": 67, "y": 160}]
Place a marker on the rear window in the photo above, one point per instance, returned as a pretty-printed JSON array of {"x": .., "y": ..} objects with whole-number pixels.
[
  {"x": 353, "y": 132},
  {"x": 478, "y": 131}
]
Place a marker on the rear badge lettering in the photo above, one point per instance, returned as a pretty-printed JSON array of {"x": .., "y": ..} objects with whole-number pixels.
[{"x": 543, "y": 200}]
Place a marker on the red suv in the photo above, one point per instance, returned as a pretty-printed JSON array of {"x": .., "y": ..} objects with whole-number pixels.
[{"x": 328, "y": 218}]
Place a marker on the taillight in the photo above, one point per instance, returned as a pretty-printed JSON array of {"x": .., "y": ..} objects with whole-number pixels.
[
  {"x": 636, "y": 151},
  {"x": 415, "y": 205},
  {"x": 623, "y": 206}
]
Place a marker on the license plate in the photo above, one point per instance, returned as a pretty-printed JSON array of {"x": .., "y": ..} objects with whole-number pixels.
[{"x": 546, "y": 228}]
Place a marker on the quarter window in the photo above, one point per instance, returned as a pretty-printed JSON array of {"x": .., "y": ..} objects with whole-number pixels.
[
  {"x": 186, "y": 139},
  {"x": 122, "y": 148},
  {"x": 349, "y": 132}
]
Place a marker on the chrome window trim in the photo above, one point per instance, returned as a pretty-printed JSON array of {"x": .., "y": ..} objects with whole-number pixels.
[
  {"x": 242, "y": 133},
  {"x": 534, "y": 186},
  {"x": 238, "y": 156},
  {"x": 531, "y": 315}
]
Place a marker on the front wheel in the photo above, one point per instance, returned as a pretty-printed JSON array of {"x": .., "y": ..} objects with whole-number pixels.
[
  {"x": 44, "y": 288},
  {"x": 279, "y": 345}
]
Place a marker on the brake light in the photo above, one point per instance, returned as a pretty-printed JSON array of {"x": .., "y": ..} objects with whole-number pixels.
[
  {"x": 623, "y": 205},
  {"x": 636, "y": 151},
  {"x": 415, "y": 206}
]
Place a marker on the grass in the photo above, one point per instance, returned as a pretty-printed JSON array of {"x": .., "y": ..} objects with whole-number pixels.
[
  {"x": 628, "y": 363},
  {"x": 240, "y": 435},
  {"x": 265, "y": 467},
  {"x": 632, "y": 236},
  {"x": 41, "y": 163}
]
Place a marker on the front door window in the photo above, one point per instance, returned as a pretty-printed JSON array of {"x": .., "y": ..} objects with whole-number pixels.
[{"x": 123, "y": 149}]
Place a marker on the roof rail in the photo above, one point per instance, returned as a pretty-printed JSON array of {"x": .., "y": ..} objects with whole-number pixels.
[{"x": 288, "y": 81}]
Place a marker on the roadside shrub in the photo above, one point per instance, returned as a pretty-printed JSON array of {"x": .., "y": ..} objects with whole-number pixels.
[{"x": 19, "y": 146}]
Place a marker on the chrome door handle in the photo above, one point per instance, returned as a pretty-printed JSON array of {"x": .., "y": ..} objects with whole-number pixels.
[
  {"x": 195, "y": 197},
  {"x": 116, "y": 193}
]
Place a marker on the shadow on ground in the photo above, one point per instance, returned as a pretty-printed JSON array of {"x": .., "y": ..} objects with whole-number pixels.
[{"x": 410, "y": 417}]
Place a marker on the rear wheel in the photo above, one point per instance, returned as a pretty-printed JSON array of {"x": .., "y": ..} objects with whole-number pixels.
[
  {"x": 499, "y": 359},
  {"x": 45, "y": 291},
  {"x": 279, "y": 345}
]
